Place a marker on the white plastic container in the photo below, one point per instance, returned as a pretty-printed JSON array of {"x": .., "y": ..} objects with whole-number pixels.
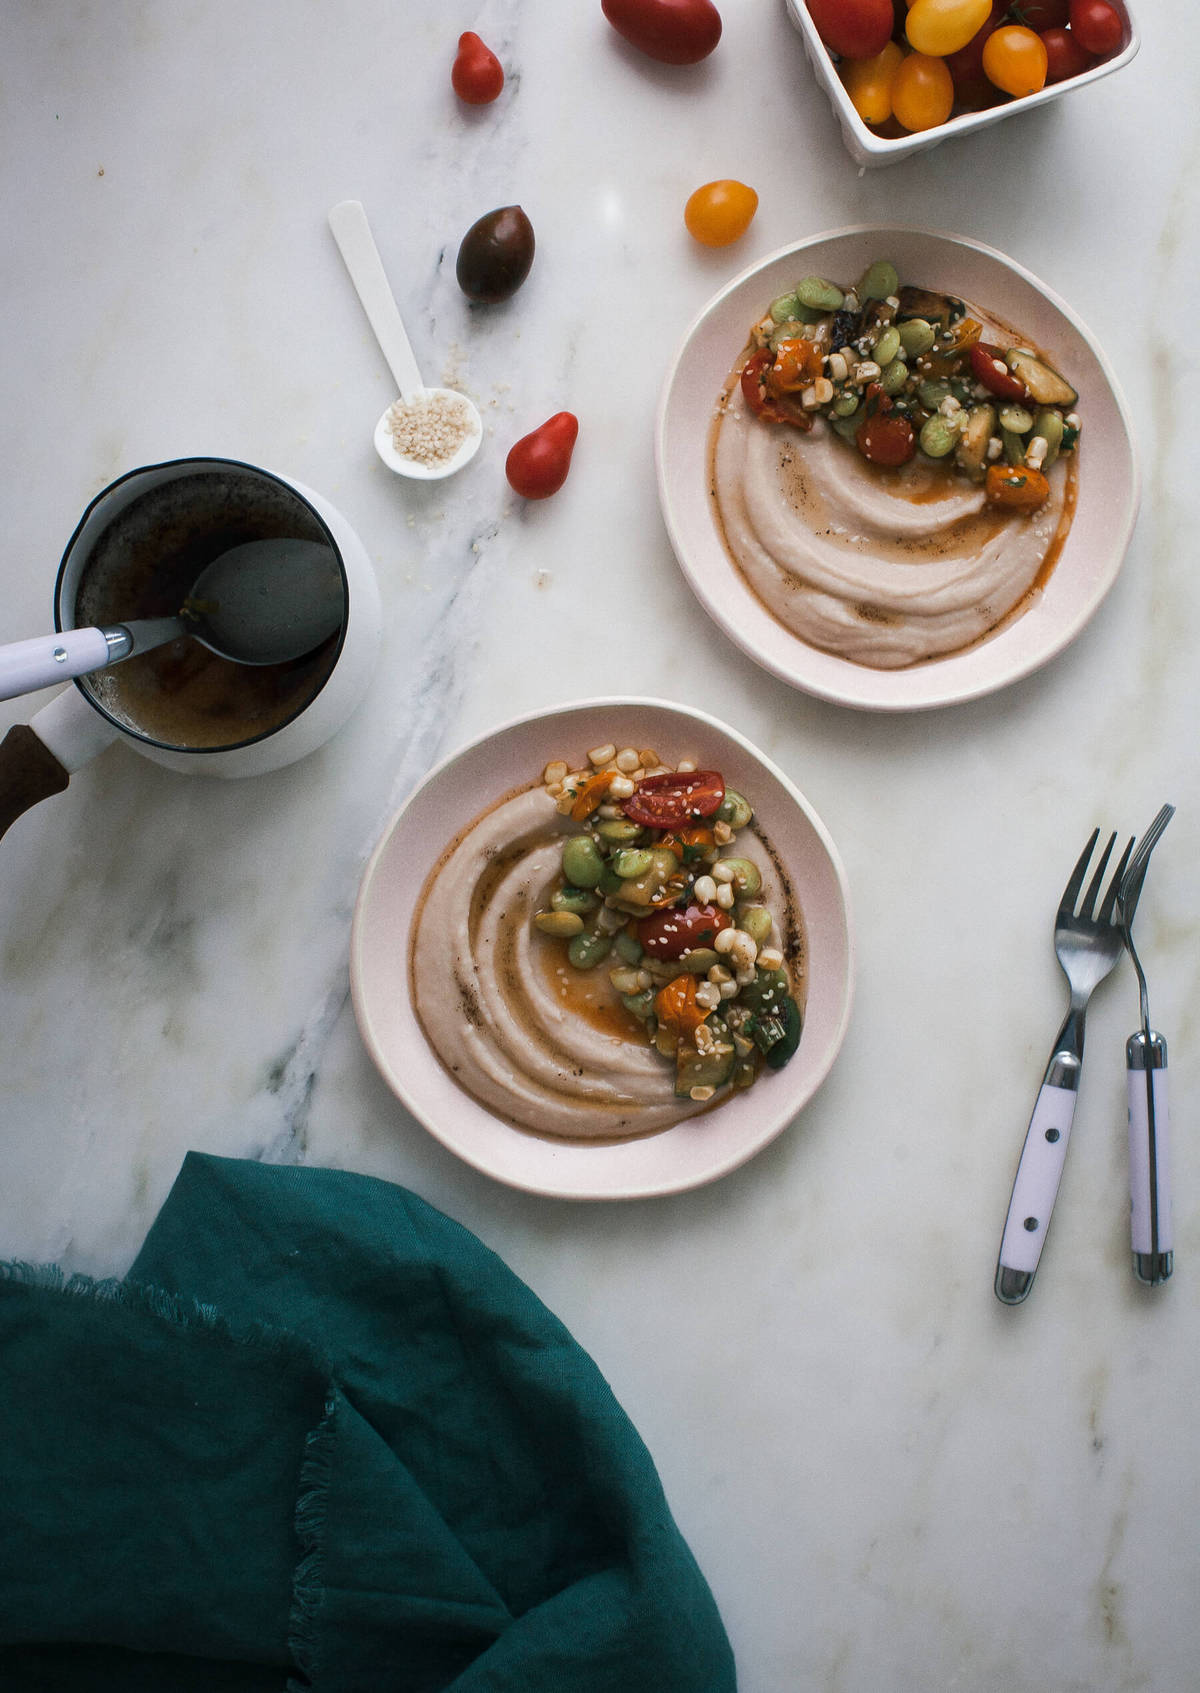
[{"x": 873, "y": 150}]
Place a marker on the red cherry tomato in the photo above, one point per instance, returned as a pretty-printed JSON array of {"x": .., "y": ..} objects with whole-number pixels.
[
  {"x": 1064, "y": 56},
  {"x": 537, "y": 465},
  {"x": 674, "y": 798},
  {"x": 854, "y": 29},
  {"x": 675, "y": 32},
  {"x": 1045, "y": 14},
  {"x": 1097, "y": 26},
  {"x": 988, "y": 367},
  {"x": 966, "y": 66},
  {"x": 672, "y": 932},
  {"x": 887, "y": 438},
  {"x": 476, "y": 75}
]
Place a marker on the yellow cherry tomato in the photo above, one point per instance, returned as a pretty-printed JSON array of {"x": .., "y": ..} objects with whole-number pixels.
[
  {"x": 720, "y": 212},
  {"x": 1014, "y": 59},
  {"x": 868, "y": 82},
  {"x": 922, "y": 92},
  {"x": 943, "y": 26}
]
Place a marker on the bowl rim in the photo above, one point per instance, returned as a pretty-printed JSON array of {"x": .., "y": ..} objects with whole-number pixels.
[
  {"x": 559, "y": 1169},
  {"x": 839, "y": 688},
  {"x": 880, "y": 149}
]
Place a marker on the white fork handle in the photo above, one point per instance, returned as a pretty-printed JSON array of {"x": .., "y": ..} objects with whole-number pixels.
[
  {"x": 1034, "y": 1191},
  {"x": 1149, "y": 1159}
]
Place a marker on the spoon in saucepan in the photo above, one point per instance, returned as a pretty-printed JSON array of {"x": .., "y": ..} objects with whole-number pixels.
[
  {"x": 443, "y": 425},
  {"x": 264, "y": 602}
]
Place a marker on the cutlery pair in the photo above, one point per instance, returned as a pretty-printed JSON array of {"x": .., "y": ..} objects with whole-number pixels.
[{"x": 1088, "y": 943}]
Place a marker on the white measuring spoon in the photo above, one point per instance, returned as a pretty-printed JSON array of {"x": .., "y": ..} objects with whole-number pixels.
[{"x": 353, "y": 235}]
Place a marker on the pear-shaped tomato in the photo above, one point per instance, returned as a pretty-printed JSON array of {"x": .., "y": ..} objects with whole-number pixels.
[
  {"x": 537, "y": 465},
  {"x": 477, "y": 75}
]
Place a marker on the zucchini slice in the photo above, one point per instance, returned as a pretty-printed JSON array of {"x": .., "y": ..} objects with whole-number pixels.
[{"x": 1044, "y": 383}]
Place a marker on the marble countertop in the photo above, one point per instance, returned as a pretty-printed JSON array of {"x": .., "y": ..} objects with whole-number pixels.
[{"x": 890, "y": 1480}]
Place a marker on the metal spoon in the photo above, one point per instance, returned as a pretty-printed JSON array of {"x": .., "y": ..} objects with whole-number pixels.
[
  {"x": 1149, "y": 1120},
  {"x": 353, "y": 235},
  {"x": 261, "y": 603}
]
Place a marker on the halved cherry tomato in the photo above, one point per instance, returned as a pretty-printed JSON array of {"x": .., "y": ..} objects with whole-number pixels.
[
  {"x": 1065, "y": 57},
  {"x": 674, "y": 798},
  {"x": 687, "y": 844},
  {"x": 922, "y": 92},
  {"x": 669, "y": 934},
  {"x": 675, "y": 1005},
  {"x": 591, "y": 794},
  {"x": 1016, "y": 487},
  {"x": 796, "y": 366},
  {"x": 779, "y": 408},
  {"x": 854, "y": 29},
  {"x": 885, "y": 436},
  {"x": 1014, "y": 58},
  {"x": 1096, "y": 25},
  {"x": 989, "y": 368}
]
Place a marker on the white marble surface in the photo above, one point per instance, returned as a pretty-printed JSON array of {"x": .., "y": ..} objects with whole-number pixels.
[{"x": 890, "y": 1480}]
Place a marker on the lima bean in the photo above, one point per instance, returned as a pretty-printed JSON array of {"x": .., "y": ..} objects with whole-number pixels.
[
  {"x": 887, "y": 346},
  {"x": 734, "y": 810},
  {"x": 578, "y": 900},
  {"x": 819, "y": 295},
  {"x": 581, "y": 862},
  {"x": 587, "y": 950},
  {"x": 561, "y": 924}
]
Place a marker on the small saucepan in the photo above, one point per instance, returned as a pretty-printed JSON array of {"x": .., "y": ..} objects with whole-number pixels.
[{"x": 138, "y": 546}]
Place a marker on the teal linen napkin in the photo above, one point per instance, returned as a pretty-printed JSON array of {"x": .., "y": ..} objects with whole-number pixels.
[{"x": 322, "y": 1438}]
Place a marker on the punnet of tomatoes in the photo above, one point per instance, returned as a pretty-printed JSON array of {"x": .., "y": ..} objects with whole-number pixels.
[{"x": 912, "y": 65}]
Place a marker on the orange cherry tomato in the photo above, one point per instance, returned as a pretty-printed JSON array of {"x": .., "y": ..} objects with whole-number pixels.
[
  {"x": 477, "y": 75},
  {"x": 1014, "y": 59},
  {"x": 675, "y": 1005},
  {"x": 944, "y": 26},
  {"x": 591, "y": 795},
  {"x": 868, "y": 82},
  {"x": 1016, "y": 487},
  {"x": 922, "y": 92},
  {"x": 720, "y": 212},
  {"x": 798, "y": 364}
]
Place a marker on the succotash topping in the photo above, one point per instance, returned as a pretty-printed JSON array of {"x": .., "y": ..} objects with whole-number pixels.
[
  {"x": 654, "y": 889},
  {"x": 898, "y": 370}
]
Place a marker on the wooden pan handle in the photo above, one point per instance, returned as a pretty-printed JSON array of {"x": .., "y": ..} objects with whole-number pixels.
[{"x": 29, "y": 772}]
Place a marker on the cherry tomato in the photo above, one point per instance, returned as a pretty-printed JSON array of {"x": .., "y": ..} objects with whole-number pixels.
[
  {"x": 1015, "y": 59},
  {"x": 477, "y": 75},
  {"x": 720, "y": 212},
  {"x": 495, "y": 255},
  {"x": 854, "y": 29},
  {"x": 1064, "y": 55},
  {"x": 988, "y": 367},
  {"x": 675, "y": 32},
  {"x": 537, "y": 465},
  {"x": 887, "y": 438},
  {"x": 1097, "y": 26},
  {"x": 868, "y": 82},
  {"x": 672, "y": 932},
  {"x": 796, "y": 365},
  {"x": 966, "y": 66},
  {"x": 922, "y": 92},
  {"x": 777, "y": 408},
  {"x": 674, "y": 798},
  {"x": 1016, "y": 487},
  {"x": 1045, "y": 14},
  {"x": 944, "y": 26}
]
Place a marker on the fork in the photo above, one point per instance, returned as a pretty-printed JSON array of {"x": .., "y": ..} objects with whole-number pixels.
[
  {"x": 1149, "y": 1118},
  {"x": 1087, "y": 943}
]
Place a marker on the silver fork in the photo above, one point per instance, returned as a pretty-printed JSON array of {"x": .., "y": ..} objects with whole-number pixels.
[
  {"x": 1088, "y": 943},
  {"x": 1149, "y": 1117}
]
